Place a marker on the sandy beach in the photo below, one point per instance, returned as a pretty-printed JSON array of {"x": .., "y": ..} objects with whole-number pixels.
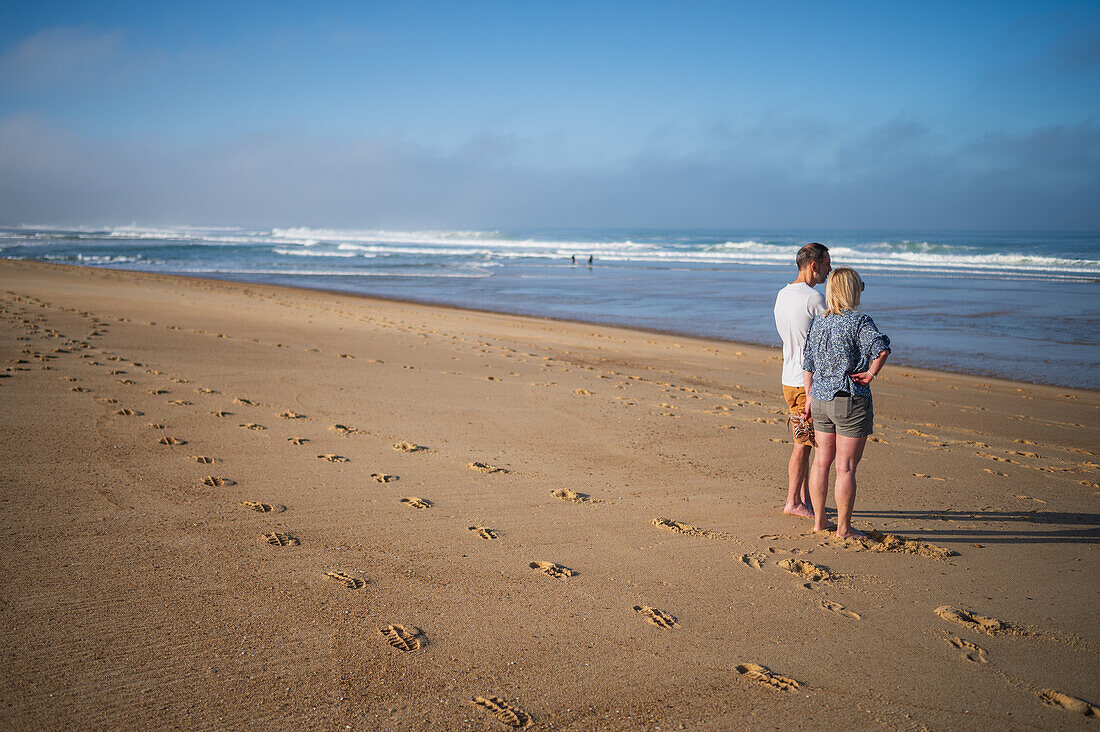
[{"x": 229, "y": 506}]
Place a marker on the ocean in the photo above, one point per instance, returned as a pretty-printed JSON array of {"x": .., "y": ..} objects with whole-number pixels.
[{"x": 1018, "y": 305}]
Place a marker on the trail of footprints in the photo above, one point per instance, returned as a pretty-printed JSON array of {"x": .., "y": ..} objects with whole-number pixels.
[{"x": 410, "y": 638}]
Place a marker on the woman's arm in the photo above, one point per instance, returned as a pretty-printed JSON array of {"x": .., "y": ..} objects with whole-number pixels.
[
  {"x": 865, "y": 377},
  {"x": 808, "y": 382}
]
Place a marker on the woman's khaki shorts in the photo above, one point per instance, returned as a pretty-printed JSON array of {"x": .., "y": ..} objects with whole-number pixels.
[{"x": 846, "y": 415}]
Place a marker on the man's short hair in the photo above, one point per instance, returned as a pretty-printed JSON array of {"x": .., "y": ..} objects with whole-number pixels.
[{"x": 812, "y": 253}]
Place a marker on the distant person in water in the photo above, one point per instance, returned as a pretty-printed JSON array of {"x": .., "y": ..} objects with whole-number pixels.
[
  {"x": 844, "y": 352},
  {"x": 573, "y": 258},
  {"x": 589, "y": 260},
  {"x": 795, "y": 308}
]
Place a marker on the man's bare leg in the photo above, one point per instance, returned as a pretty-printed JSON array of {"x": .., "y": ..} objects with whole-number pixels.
[
  {"x": 798, "y": 491},
  {"x": 849, "y": 451},
  {"x": 819, "y": 478}
]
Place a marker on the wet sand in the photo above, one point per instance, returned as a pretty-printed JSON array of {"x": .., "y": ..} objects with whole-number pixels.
[{"x": 250, "y": 507}]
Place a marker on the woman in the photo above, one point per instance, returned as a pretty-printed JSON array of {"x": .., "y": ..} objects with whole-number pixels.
[{"x": 844, "y": 352}]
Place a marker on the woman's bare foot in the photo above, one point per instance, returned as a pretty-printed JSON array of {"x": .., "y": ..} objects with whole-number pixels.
[
  {"x": 799, "y": 510},
  {"x": 851, "y": 534},
  {"x": 829, "y": 526}
]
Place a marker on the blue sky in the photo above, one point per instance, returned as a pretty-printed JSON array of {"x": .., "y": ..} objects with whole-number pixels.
[{"x": 514, "y": 114}]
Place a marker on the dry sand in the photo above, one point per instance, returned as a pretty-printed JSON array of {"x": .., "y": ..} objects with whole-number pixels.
[{"x": 627, "y": 566}]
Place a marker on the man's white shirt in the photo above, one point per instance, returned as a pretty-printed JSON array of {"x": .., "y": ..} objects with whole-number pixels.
[{"x": 795, "y": 308}]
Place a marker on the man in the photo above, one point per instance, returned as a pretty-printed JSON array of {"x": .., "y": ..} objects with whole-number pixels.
[{"x": 795, "y": 308}]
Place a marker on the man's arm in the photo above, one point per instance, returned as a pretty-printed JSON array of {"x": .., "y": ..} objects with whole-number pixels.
[{"x": 866, "y": 377}]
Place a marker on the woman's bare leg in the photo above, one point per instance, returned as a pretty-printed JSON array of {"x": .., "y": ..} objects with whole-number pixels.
[
  {"x": 849, "y": 451},
  {"x": 819, "y": 477}
]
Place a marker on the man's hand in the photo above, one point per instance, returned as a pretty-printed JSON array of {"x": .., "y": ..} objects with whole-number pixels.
[{"x": 863, "y": 378}]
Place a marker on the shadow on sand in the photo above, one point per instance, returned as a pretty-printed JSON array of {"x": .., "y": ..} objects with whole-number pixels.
[{"x": 993, "y": 527}]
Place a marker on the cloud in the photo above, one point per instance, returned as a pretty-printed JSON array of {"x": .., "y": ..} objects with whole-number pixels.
[
  {"x": 901, "y": 173},
  {"x": 59, "y": 55}
]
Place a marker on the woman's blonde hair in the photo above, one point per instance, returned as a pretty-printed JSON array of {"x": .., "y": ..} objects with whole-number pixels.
[{"x": 842, "y": 290}]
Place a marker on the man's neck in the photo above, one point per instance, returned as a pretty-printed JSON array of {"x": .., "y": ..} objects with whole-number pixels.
[{"x": 806, "y": 277}]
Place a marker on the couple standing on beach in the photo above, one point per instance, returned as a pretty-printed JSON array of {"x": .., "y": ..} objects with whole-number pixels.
[{"x": 831, "y": 354}]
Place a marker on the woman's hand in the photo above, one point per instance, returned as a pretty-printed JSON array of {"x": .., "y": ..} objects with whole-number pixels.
[
  {"x": 863, "y": 378},
  {"x": 806, "y": 411}
]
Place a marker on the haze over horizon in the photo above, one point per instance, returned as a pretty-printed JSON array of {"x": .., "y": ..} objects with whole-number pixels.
[{"x": 497, "y": 115}]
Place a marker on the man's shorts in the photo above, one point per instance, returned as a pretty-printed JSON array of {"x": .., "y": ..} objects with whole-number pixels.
[
  {"x": 844, "y": 414},
  {"x": 796, "y": 402}
]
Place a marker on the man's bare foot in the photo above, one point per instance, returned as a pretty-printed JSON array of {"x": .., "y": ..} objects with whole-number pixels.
[
  {"x": 829, "y": 526},
  {"x": 799, "y": 510},
  {"x": 851, "y": 534}
]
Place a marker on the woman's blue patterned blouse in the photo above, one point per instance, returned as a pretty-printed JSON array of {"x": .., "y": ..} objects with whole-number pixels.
[{"x": 838, "y": 345}]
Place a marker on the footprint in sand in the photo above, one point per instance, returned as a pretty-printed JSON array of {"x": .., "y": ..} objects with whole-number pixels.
[
  {"x": 997, "y": 458},
  {"x": 756, "y": 561},
  {"x": 345, "y": 430},
  {"x": 551, "y": 569},
  {"x": 297, "y": 440},
  {"x": 291, "y": 415},
  {"x": 929, "y": 477},
  {"x": 246, "y": 402},
  {"x": 486, "y": 468},
  {"x": 204, "y": 459},
  {"x": 220, "y": 413},
  {"x": 417, "y": 502},
  {"x": 994, "y": 472},
  {"x": 106, "y": 400},
  {"x": 971, "y": 652},
  {"x": 276, "y": 539},
  {"x": 384, "y": 477},
  {"x": 129, "y": 413},
  {"x": 582, "y": 392},
  {"x": 839, "y": 609},
  {"x": 485, "y": 532},
  {"x": 157, "y": 392},
  {"x": 876, "y": 541},
  {"x": 263, "y": 507},
  {"x": 807, "y": 570},
  {"x": 978, "y": 623},
  {"x": 253, "y": 426},
  {"x": 1072, "y": 703},
  {"x": 156, "y": 426},
  {"x": 404, "y": 638},
  {"x": 333, "y": 458},
  {"x": 764, "y": 675},
  {"x": 79, "y": 389},
  {"x": 504, "y": 712},
  {"x": 567, "y": 494},
  {"x": 409, "y": 447},
  {"x": 127, "y": 382},
  {"x": 217, "y": 482},
  {"x": 347, "y": 580},
  {"x": 204, "y": 390},
  {"x": 171, "y": 441},
  {"x": 657, "y": 617},
  {"x": 678, "y": 527}
]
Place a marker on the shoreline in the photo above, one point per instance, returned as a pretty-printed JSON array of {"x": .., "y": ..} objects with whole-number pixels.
[{"x": 985, "y": 376}]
